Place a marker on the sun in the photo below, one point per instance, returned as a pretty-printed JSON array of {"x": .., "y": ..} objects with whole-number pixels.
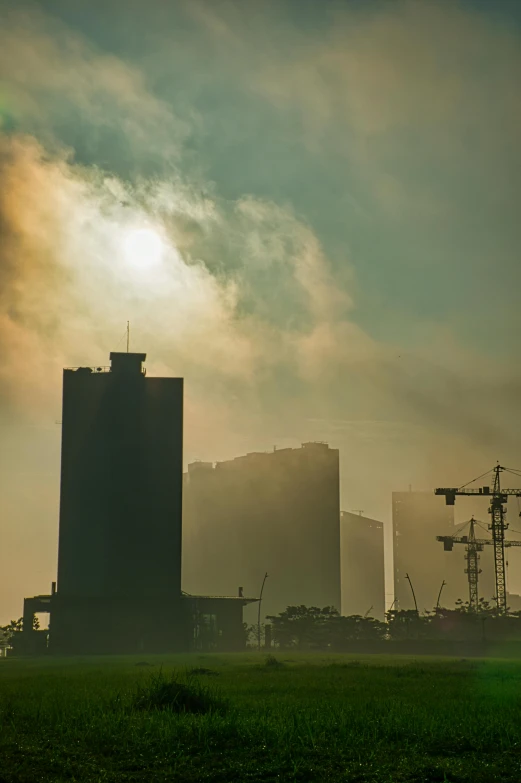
[{"x": 143, "y": 247}]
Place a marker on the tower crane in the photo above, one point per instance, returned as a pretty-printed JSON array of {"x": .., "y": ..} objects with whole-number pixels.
[
  {"x": 473, "y": 545},
  {"x": 498, "y": 499}
]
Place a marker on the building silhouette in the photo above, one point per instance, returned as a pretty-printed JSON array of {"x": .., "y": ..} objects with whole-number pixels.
[
  {"x": 120, "y": 532},
  {"x": 272, "y": 511},
  {"x": 363, "y": 575},
  {"x": 418, "y": 517},
  {"x": 119, "y": 554}
]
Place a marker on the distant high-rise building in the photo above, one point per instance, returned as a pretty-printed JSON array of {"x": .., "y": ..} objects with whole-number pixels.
[
  {"x": 275, "y": 512},
  {"x": 418, "y": 517},
  {"x": 363, "y": 577},
  {"x": 119, "y": 560},
  {"x": 514, "y": 602}
]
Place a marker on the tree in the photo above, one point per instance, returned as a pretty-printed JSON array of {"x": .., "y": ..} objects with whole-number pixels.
[
  {"x": 9, "y": 632},
  {"x": 251, "y": 635},
  {"x": 15, "y": 626},
  {"x": 406, "y": 624},
  {"x": 12, "y": 636},
  {"x": 4, "y": 642},
  {"x": 302, "y": 627},
  {"x": 355, "y": 628}
]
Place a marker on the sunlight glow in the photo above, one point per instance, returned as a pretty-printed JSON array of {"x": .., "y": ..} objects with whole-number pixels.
[{"x": 143, "y": 248}]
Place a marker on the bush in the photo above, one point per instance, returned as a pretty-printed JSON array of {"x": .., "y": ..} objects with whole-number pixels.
[
  {"x": 198, "y": 670},
  {"x": 273, "y": 662},
  {"x": 169, "y": 693}
]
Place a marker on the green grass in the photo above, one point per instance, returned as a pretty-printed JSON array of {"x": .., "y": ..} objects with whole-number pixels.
[{"x": 311, "y": 718}]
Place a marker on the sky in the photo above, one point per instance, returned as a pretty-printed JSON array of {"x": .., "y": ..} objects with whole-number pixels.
[{"x": 328, "y": 198}]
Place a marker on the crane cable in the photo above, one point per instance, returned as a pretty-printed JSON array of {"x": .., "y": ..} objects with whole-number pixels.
[
  {"x": 477, "y": 478},
  {"x": 460, "y": 528},
  {"x": 515, "y": 471}
]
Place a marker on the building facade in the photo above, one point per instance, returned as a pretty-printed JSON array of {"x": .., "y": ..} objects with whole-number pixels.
[
  {"x": 119, "y": 555},
  {"x": 120, "y": 527},
  {"x": 363, "y": 574},
  {"x": 276, "y": 512},
  {"x": 418, "y": 517}
]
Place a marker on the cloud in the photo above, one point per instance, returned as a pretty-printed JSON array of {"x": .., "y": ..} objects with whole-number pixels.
[
  {"x": 415, "y": 97},
  {"x": 57, "y": 86},
  {"x": 403, "y": 66},
  {"x": 246, "y": 291},
  {"x": 68, "y": 290},
  {"x": 68, "y": 284},
  {"x": 65, "y": 271}
]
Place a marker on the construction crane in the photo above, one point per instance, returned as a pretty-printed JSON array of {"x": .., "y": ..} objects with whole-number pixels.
[
  {"x": 498, "y": 499},
  {"x": 473, "y": 546}
]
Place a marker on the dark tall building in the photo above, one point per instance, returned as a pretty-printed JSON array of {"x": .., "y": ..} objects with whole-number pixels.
[
  {"x": 418, "y": 517},
  {"x": 277, "y": 512},
  {"x": 119, "y": 561},
  {"x": 119, "y": 558},
  {"x": 363, "y": 575}
]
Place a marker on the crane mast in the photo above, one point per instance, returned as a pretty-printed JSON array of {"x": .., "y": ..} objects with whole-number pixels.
[
  {"x": 473, "y": 570},
  {"x": 498, "y": 526},
  {"x": 473, "y": 545}
]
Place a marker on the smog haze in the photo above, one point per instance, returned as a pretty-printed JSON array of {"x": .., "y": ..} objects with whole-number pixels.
[{"x": 309, "y": 211}]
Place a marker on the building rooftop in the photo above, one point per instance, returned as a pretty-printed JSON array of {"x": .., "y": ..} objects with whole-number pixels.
[
  {"x": 119, "y": 362},
  {"x": 244, "y": 599},
  {"x": 127, "y": 362}
]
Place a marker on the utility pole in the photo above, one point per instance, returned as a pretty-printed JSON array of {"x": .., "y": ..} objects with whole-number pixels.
[
  {"x": 498, "y": 499},
  {"x": 259, "y": 615},
  {"x": 128, "y": 336},
  {"x": 412, "y": 591},
  {"x": 439, "y": 596}
]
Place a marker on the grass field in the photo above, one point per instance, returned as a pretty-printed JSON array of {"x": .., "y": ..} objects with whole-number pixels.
[{"x": 303, "y": 718}]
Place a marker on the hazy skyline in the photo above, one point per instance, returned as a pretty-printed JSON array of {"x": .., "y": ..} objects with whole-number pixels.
[{"x": 331, "y": 193}]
